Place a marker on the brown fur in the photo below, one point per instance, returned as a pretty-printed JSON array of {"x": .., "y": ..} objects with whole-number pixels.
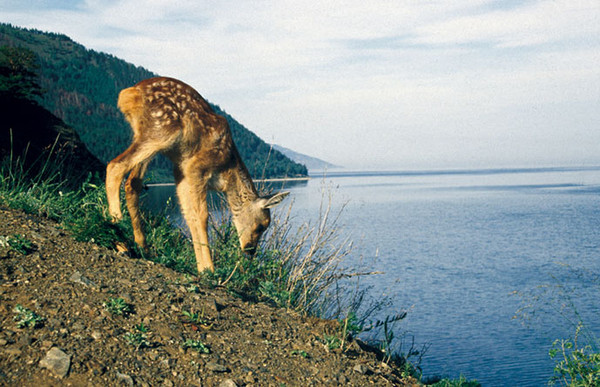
[{"x": 169, "y": 117}]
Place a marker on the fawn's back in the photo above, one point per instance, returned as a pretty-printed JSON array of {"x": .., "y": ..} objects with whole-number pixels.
[{"x": 175, "y": 119}]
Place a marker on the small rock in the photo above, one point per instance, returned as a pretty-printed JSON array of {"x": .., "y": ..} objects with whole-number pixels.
[
  {"x": 53, "y": 231},
  {"x": 216, "y": 367},
  {"x": 57, "y": 362},
  {"x": 384, "y": 368},
  {"x": 228, "y": 383},
  {"x": 124, "y": 379},
  {"x": 13, "y": 352},
  {"x": 78, "y": 326},
  {"x": 24, "y": 341},
  {"x": 217, "y": 305},
  {"x": 96, "y": 367},
  {"x": 3, "y": 342},
  {"x": 37, "y": 235},
  {"x": 361, "y": 369},
  {"x": 250, "y": 379},
  {"x": 4, "y": 252},
  {"x": 342, "y": 379},
  {"x": 127, "y": 298},
  {"x": 166, "y": 363},
  {"x": 96, "y": 335},
  {"x": 146, "y": 287},
  {"x": 80, "y": 279}
]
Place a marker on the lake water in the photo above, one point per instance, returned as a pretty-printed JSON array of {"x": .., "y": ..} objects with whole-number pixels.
[{"x": 455, "y": 246}]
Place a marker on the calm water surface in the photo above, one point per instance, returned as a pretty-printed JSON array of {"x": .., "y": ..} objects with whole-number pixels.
[{"x": 454, "y": 246}]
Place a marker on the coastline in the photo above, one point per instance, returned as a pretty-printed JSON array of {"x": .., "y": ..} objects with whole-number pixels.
[{"x": 274, "y": 180}]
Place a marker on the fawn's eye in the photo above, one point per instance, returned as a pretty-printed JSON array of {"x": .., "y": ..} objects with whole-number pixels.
[{"x": 260, "y": 229}]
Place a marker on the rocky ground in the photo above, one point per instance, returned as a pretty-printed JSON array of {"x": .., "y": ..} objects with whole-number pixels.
[{"x": 190, "y": 336}]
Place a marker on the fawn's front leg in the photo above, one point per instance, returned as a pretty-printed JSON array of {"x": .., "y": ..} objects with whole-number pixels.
[{"x": 192, "y": 198}]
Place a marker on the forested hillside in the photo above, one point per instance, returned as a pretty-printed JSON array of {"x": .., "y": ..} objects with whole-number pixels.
[
  {"x": 29, "y": 134},
  {"x": 81, "y": 87}
]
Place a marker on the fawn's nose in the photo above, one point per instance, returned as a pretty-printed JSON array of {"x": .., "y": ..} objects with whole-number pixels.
[{"x": 250, "y": 250}]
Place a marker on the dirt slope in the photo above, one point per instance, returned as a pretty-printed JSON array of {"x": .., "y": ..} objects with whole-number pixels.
[{"x": 80, "y": 342}]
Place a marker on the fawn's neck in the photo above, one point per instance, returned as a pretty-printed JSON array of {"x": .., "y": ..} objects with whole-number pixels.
[{"x": 239, "y": 187}]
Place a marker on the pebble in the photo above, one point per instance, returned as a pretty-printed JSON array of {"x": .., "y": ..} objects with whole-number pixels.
[
  {"x": 78, "y": 326},
  {"x": 166, "y": 363},
  {"x": 57, "y": 362},
  {"x": 13, "y": 352},
  {"x": 4, "y": 252},
  {"x": 228, "y": 383},
  {"x": 127, "y": 298},
  {"x": 37, "y": 235},
  {"x": 77, "y": 277},
  {"x": 361, "y": 369},
  {"x": 124, "y": 378},
  {"x": 216, "y": 367},
  {"x": 342, "y": 379},
  {"x": 24, "y": 341}
]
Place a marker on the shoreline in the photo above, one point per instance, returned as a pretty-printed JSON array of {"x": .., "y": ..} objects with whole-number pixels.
[{"x": 274, "y": 180}]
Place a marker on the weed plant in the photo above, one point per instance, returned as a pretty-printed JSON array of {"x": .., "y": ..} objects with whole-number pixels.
[
  {"x": 577, "y": 359},
  {"x": 576, "y": 365},
  {"x": 138, "y": 337},
  {"x": 196, "y": 345},
  {"x": 118, "y": 306},
  {"x": 26, "y": 318},
  {"x": 17, "y": 243},
  {"x": 301, "y": 353},
  {"x": 460, "y": 382}
]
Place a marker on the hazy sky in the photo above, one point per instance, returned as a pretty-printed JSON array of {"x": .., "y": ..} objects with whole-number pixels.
[{"x": 370, "y": 84}]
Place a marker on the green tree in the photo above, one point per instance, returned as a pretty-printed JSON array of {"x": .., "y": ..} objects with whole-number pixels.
[{"x": 18, "y": 73}]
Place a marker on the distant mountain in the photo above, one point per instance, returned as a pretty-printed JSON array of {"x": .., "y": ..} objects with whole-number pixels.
[
  {"x": 81, "y": 86},
  {"x": 312, "y": 163}
]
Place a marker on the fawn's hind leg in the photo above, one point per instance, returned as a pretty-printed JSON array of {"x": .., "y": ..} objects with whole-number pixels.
[{"x": 133, "y": 187}]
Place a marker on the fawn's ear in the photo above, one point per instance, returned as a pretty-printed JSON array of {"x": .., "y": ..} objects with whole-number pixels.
[{"x": 273, "y": 200}]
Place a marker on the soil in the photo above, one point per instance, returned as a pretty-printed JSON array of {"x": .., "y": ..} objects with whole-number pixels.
[{"x": 80, "y": 342}]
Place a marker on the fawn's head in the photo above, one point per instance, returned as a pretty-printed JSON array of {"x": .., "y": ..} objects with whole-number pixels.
[{"x": 254, "y": 218}]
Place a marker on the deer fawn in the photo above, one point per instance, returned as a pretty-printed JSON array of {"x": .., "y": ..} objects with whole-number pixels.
[{"x": 169, "y": 117}]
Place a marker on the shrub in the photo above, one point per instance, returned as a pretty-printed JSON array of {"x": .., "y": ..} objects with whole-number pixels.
[{"x": 576, "y": 365}]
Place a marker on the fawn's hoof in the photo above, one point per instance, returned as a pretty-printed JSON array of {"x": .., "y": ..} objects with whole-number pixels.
[{"x": 122, "y": 248}]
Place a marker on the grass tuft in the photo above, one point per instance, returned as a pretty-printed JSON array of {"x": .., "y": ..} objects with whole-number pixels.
[
  {"x": 196, "y": 345},
  {"x": 26, "y": 318},
  {"x": 17, "y": 243},
  {"x": 118, "y": 306}
]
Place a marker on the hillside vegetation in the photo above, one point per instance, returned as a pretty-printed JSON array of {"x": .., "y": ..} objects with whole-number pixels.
[
  {"x": 81, "y": 86},
  {"x": 29, "y": 134}
]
